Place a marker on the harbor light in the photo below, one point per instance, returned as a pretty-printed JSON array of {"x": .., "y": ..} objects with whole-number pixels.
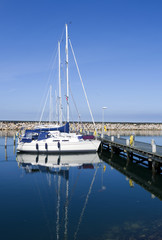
[{"x": 103, "y": 108}]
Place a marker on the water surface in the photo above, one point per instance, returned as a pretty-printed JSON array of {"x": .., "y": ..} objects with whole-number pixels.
[{"x": 77, "y": 197}]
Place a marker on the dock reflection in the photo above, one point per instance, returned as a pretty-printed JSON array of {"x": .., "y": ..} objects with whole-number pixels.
[{"x": 135, "y": 172}]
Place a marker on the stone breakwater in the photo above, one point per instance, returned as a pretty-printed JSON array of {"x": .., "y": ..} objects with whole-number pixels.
[{"x": 86, "y": 126}]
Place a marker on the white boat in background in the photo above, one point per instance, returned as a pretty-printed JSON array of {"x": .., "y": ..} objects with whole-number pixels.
[{"x": 59, "y": 139}]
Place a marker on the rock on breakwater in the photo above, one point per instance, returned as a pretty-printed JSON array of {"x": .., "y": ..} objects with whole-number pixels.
[{"x": 87, "y": 126}]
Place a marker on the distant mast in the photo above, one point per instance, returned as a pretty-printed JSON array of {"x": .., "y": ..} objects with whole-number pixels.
[
  {"x": 67, "y": 74},
  {"x": 50, "y": 103},
  {"x": 60, "y": 100}
]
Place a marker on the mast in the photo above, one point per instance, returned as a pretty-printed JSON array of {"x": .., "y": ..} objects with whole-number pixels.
[
  {"x": 66, "y": 210},
  {"x": 67, "y": 74},
  {"x": 60, "y": 100},
  {"x": 57, "y": 117},
  {"x": 50, "y": 112},
  {"x": 58, "y": 209}
]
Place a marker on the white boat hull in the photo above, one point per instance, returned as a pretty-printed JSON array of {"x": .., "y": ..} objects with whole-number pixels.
[{"x": 64, "y": 147}]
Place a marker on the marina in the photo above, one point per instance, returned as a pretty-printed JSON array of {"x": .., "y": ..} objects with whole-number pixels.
[{"x": 81, "y": 120}]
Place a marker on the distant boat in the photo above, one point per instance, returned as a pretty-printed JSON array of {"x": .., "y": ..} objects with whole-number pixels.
[{"x": 57, "y": 139}]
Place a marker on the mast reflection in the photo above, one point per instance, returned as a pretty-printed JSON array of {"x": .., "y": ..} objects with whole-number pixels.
[{"x": 59, "y": 166}]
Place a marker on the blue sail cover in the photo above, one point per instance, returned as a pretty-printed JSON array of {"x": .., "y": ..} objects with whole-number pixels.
[
  {"x": 64, "y": 128},
  {"x": 34, "y": 134},
  {"x": 42, "y": 135}
]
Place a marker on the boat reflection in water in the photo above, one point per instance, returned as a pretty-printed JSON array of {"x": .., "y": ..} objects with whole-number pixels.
[
  {"x": 60, "y": 178},
  {"x": 33, "y": 163}
]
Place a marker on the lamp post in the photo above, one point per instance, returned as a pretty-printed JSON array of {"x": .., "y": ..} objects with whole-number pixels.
[{"x": 103, "y": 108}]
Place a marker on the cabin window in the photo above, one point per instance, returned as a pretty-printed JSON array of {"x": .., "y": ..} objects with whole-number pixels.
[{"x": 35, "y": 136}]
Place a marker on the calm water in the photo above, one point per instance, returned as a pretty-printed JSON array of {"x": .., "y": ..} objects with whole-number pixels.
[{"x": 77, "y": 197}]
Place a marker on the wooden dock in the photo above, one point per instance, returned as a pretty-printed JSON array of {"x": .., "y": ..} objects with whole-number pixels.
[{"x": 143, "y": 153}]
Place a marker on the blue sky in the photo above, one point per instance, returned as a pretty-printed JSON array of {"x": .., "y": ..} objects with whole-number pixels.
[{"x": 118, "y": 45}]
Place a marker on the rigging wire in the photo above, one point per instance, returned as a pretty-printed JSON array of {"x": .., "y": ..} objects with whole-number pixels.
[
  {"x": 85, "y": 204},
  {"x": 43, "y": 208},
  {"x": 44, "y": 107},
  {"x": 50, "y": 68},
  {"x": 79, "y": 117},
  {"x": 82, "y": 82},
  {"x": 73, "y": 100},
  {"x": 52, "y": 65}
]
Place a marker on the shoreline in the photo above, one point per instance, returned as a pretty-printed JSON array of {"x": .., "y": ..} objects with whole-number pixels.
[{"x": 86, "y": 126}]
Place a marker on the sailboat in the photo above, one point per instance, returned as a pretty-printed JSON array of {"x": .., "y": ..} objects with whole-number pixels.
[{"x": 57, "y": 139}]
